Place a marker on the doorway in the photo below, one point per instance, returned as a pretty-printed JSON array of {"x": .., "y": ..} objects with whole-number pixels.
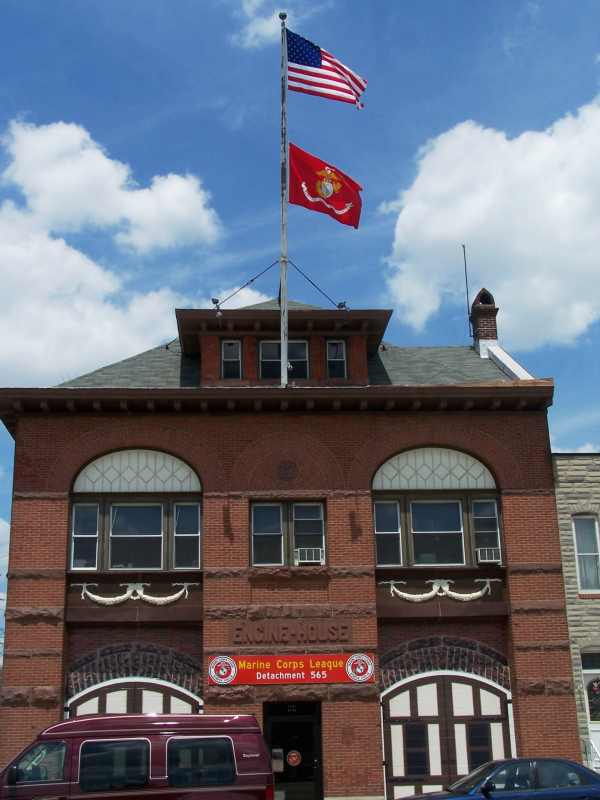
[{"x": 295, "y": 728}]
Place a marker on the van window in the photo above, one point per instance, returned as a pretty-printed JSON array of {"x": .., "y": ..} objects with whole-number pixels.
[
  {"x": 200, "y": 762},
  {"x": 42, "y": 763},
  {"x": 121, "y": 764}
]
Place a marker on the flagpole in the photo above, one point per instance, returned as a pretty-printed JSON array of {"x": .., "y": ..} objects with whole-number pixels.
[{"x": 283, "y": 257}]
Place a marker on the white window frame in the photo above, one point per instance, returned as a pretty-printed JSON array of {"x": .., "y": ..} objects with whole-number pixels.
[
  {"x": 137, "y": 536},
  {"x": 278, "y": 341},
  {"x": 344, "y": 359},
  {"x": 397, "y": 533},
  {"x": 230, "y": 360},
  {"x": 412, "y": 532},
  {"x": 77, "y": 536},
  {"x": 322, "y": 518},
  {"x": 281, "y": 533},
  {"x": 578, "y": 554},
  {"x": 473, "y": 531},
  {"x": 187, "y": 535}
]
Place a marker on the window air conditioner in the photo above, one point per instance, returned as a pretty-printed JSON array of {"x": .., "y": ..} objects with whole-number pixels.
[
  {"x": 309, "y": 555},
  {"x": 488, "y": 555}
]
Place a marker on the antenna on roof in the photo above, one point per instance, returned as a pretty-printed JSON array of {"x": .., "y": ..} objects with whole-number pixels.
[{"x": 464, "y": 249}]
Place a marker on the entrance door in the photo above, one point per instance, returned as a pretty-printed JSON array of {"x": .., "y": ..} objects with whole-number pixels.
[
  {"x": 440, "y": 727},
  {"x": 591, "y": 679},
  {"x": 295, "y": 728}
]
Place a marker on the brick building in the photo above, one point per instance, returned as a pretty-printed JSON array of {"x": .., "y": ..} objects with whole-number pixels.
[
  {"x": 578, "y": 502},
  {"x": 371, "y": 553}
]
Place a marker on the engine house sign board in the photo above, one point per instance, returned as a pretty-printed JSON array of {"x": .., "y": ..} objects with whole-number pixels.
[
  {"x": 293, "y": 632},
  {"x": 302, "y": 668}
]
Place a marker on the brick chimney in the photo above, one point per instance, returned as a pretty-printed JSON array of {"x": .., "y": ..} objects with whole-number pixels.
[{"x": 483, "y": 318}]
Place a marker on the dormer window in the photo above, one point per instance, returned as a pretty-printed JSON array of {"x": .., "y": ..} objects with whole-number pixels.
[
  {"x": 270, "y": 359},
  {"x": 231, "y": 358},
  {"x": 336, "y": 359}
]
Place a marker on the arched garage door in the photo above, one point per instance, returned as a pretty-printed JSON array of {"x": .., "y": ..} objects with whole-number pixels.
[
  {"x": 439, "y": 726},
  {"x": 134, "y": 696}
]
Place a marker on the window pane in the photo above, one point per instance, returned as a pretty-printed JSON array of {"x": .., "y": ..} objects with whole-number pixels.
[
  {"x": 479, "y": 736},
  {"x": 388, "y": 549},
  {"x": 42, "y": 763},
  {"x": 128, "y": 520},
  {"x": 187, "y": 551},
  {"x": 267, "y": 549},
  {"x": 113, "y": 765},
  {"x": 84, "y": 552},
  {"x": 438, "y": 548},
  {"x": 485, "y": 524},
  {"x": 270, "y": 351},
  {"x": 308, "y": 526},
  {"x": 135, "y": 552},
  {"x": 436, "y": 516},
  {"x": 336, "y": 369},
  {"x": 308, "y": 540},
  {"x": 555, "y": 775},
  {"x": 200, "y": 762},
  {"x": 187, "y": 519},
  {"x": 593, "y": 693},
  {"x": 484, "y": 508},
  {"x": 85, "y": 520},
  {"x": 514, "y": 778},
  {"x": 591, "y": 661},
  {"x": 297, "y": 369},
  {"x": 296, "y": 351},
  {"x": 336, "y": 350},
  {"x": 266, "y": 519},
  {"x": 589, "y": 573},
  {"x": 232, "y": 369},
  {"x": 487, "y": 539},
  {"x": 585, "y": 534},
  {"x": 231, "y": 350},
  {"x": 307, "y": 511},
  {"x": 270, "y": 369},
  {"x": 386, "y": 517},
  {"x": 416, "y": 735},
  {"x": 416, "y": 745}
]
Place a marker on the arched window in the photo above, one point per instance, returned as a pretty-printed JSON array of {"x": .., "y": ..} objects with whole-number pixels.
[
  {"x": 136, "y": 510},
  {"x": 434, "y": 506},
  {"x": 135, "y": 696}
]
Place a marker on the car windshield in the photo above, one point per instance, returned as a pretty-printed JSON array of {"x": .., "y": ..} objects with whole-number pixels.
[{"x": 473, "y": 778}]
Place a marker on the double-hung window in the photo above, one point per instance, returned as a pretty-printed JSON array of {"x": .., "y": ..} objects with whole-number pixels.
[
  {"x": 84, "y": 536},
  {"x": 136, "y": 536},
  {"x": 336, "y": 359},
  {"x": 425, "y": 530},
  {"x": 588, "y": 557},
  {"x": 152, "y": 534},
  {"x": 270, "y": 359},
  {"x": 288, "y": 533},
  {"x": 231, "y": 358},
  {"x": 437, "y": 532},
  {"x": 387, "y": 533}
]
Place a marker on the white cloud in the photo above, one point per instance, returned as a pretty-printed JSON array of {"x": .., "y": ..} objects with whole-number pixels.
[
  {"x": 261, "y": 24},
  {"x": 527, "y": 209},
  {"x": 588, "y": 447},
  {"x": 4, "y": 539},
  {"x": 63, "y": 313},
  {"x": 70, "y": 183}
]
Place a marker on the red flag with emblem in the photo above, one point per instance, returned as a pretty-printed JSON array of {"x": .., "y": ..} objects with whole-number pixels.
[{"x": 319, "y": 186}]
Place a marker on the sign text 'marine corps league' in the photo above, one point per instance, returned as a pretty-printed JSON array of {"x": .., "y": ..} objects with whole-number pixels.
[{"x": 290, "y": 668}]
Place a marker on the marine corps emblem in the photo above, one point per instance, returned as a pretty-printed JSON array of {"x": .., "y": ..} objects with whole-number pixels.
[{"x": 328, "y": 183}]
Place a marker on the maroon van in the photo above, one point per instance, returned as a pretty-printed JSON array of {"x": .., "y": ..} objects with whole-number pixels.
[{"x": 151, "y": 756}]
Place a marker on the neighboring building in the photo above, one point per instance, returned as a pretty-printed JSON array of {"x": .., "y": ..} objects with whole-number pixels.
[
  {"x": 577, "y": 478},
  {"x": 186, "y": 534}
]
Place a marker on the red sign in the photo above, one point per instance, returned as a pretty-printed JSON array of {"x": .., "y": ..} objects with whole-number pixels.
[
  {"x": 293, "y": 758},
  {"x": 303, "y": 668}
]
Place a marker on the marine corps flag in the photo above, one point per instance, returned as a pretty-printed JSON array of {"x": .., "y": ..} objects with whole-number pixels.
[{"x": 317, "y": 185}]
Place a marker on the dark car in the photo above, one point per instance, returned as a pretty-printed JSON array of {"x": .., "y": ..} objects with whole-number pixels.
[{"x": 526, "y": 779}]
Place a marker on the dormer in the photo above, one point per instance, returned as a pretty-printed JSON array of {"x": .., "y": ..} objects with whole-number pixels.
[{"x": 242, "y": 346}]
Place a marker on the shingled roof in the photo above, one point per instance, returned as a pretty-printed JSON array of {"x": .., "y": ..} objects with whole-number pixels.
[{"x": 166, "y": 367}]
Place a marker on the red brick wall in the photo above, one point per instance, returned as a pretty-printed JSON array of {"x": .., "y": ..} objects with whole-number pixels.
[{"x": 333, "y": 458}]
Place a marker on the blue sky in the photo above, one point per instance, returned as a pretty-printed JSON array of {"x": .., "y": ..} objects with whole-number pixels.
[{"x": 139, "y": 163}]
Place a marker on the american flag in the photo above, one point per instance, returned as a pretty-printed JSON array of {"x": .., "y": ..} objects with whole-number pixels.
[{"x": 313, "y": 70}]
